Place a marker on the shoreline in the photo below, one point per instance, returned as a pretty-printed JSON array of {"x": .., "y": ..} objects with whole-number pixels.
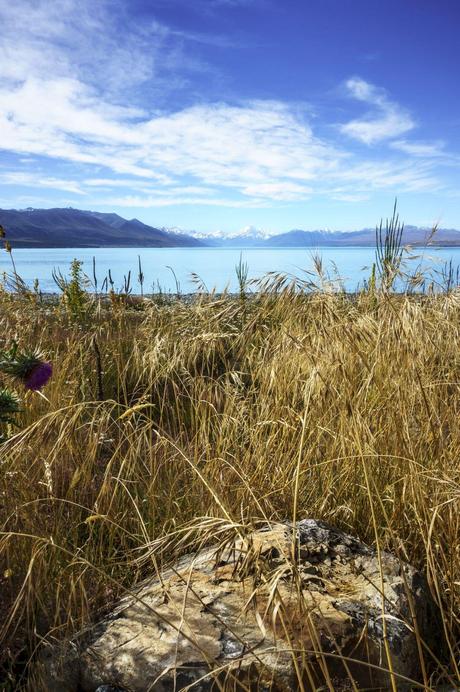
[{"x": 331, "y": 246}]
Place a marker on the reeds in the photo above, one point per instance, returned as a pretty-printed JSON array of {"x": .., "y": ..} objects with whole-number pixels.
[{"x": 342, "y": 408}]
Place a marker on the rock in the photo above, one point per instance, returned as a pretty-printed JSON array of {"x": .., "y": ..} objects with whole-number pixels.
[{"x": 260, "y": 613}]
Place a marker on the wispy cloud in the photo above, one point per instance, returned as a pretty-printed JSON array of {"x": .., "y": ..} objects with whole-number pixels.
[
  {"x": 63, "y": 84},
  {"x": 263, "y": 149},
  {"x": 420, "y": 149},
  {"x": 282, "y": 190},
  {"x": 386, "y": 120},
  {"x": 212, "y": 6},
  {"x": 98, "y": 44},
  {"x": 349, "y": 196},
  {"x": 408, "y": 175},
  {"x": 169, "y": 201},
  {"x": 40, "y": 181},
  {"x": 216, "y": 40}
]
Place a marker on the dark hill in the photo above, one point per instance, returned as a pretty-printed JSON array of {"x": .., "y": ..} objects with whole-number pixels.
[{"x": 76, "y": 228}]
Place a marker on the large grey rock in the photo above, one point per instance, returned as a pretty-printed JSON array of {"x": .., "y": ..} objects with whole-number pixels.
[{"x": 259, "y": 614}]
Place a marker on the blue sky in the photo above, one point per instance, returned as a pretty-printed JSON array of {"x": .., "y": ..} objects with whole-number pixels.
[{"x": 220, "y": 114}]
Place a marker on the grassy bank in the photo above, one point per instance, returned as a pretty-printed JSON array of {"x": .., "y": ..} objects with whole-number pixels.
[{"x": 178, "y": 420}]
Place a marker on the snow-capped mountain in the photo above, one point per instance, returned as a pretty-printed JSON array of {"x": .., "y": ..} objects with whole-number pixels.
[
  {"x": 250, "y": 232},
  {"x": 250, "y": 236},
  {"x": 247, "y": 236}
]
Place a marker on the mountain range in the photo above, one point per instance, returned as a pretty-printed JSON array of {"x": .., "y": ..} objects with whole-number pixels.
[
  {"x": 252, "y": 237},
  {"x": 41, "y": 228},
  {"x": 69, "y": 227}
]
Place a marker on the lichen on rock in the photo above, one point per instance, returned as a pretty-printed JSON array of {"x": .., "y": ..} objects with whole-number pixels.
[{"x": 282, "y": 604}]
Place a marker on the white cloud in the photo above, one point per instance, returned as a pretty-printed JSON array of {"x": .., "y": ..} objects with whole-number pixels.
[
  {"x": 259, "y": 148},
  {"x": 423, "y": 149},
  {"x": 40, "y": 181},
  {"x": 410, "y": 176},
  {"x": 282, "y": 190},
  {"x": 386, "y": 121},
  {"x": 126, "y": 182},
  {"x": 73, "y": 39},
  {"x": 65, "y": 77},
  {"x": 264, "y": 150},
  {"x": 148, "y": 202},
  {"x": 349, "y": 196}
]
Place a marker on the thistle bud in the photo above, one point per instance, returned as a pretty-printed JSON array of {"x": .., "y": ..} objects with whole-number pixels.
[
  {"x": 28, "y": 367},
  {"x": 38, "y": 376}
]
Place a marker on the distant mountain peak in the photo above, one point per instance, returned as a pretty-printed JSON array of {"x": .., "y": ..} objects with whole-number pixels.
[{"x": 250, "y": 232}]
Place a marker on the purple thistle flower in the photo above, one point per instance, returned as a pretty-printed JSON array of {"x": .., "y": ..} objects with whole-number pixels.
[
  {"x": 36, "y": 378},
  {"x": 27, "y": 366}
]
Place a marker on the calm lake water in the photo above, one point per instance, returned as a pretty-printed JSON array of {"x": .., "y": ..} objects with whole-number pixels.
[{"x": 214, "y": 266}]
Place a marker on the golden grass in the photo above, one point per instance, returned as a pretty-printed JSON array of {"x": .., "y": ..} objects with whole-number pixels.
[{"x": 325, "y": 406}]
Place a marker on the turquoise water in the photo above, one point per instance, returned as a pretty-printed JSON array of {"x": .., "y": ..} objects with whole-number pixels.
[{"x": 214, "y": 266}]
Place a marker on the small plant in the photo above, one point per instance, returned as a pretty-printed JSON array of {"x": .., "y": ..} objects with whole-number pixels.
[
  {"x": 8, "y": 248},
  {"x": 9, "y": 407},
  {"x": 95, "y": 281},
  {"x": 75, "y": 297},
  {"x": 449, "y": 276},
  {"x": 389, "y": 249},
  {"x": 242, "y": 272},
  {"x": 140, "y": 276},
  {"x": 178, "y": 290}
]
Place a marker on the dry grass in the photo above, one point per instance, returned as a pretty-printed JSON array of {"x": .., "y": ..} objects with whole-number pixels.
[{"x": 323, "y": 406}]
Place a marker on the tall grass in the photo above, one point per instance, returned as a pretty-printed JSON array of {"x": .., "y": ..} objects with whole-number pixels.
[{"x": 322, "y": 405}]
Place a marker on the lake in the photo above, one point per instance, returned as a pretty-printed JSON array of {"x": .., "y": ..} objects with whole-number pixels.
[{"x": 214, "y": 266}]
